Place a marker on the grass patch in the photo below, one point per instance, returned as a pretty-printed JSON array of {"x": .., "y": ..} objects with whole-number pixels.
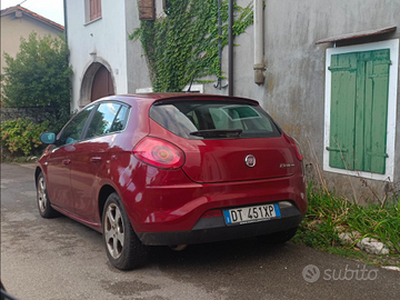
[{"x": 328, "y": 214}]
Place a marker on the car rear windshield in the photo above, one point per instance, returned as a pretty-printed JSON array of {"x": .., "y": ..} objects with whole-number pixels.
[{"x": 218, "y": 119}]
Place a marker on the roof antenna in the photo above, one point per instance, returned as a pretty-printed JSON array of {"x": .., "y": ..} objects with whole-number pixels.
[{"x": 22, "y": 2}]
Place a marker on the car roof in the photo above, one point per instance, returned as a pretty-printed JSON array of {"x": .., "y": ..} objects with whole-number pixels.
[{"x": 147, "y": 99}]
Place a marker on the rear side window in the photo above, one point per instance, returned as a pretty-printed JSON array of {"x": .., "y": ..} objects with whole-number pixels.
[
  {"x": 109, "y": 117},
  {"x": 120, "y": 120},
  {"x": 214, "y": 119}
]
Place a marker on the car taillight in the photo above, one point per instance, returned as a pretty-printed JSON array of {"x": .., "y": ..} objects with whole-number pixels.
[
  {"x": 297, "y": 149},
  {"x": 159, "y": 153}
]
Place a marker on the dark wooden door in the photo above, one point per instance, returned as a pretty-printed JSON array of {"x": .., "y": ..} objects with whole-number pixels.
[{"x": 102, "y": 84}]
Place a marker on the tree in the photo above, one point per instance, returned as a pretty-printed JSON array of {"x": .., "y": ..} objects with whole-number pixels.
[{"x": 39, "y": 76}]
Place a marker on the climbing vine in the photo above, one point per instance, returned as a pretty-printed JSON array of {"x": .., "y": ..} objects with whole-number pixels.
[{"x": 183, "y": 45}]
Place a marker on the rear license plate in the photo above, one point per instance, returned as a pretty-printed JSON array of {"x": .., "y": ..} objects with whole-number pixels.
[{"x": 245, "y": 215}]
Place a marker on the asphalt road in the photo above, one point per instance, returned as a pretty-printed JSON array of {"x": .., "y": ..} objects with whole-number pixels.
[{"x": 62, "y": 259}]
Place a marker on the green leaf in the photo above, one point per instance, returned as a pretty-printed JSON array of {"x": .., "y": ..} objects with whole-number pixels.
[{"x": 184, "y": 45}]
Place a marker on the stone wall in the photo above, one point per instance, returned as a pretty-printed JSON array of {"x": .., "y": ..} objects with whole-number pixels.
[{"x": 36, "y": 114}]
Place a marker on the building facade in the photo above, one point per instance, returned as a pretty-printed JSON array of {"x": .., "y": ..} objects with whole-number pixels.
[{"x": 329, "y": 76}]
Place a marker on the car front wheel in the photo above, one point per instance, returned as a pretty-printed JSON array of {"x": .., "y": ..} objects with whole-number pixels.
[
  {"x": 124, "y": 249},
  {"x": 45, "y": 210}
]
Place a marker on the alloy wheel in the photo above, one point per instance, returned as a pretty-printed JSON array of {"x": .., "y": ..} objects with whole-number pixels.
[
  {"x": 114, "y": 231},
  {"x": 42, "y": 197}
]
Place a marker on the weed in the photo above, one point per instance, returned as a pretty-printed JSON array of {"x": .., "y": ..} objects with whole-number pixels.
[{"x": 329, "y": 214}]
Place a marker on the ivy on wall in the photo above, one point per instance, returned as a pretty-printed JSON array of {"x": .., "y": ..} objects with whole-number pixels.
[{"x": 183, "y": 45}]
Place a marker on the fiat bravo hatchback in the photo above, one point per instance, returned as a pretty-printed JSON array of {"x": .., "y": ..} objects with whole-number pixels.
[{"x": 172, "y": 169}]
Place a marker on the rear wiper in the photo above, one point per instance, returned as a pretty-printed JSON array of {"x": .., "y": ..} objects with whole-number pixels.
[{"x": 214, "y": 133}]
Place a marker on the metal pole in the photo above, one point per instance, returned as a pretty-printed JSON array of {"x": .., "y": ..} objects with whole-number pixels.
[{"x": 230, "y": 72}]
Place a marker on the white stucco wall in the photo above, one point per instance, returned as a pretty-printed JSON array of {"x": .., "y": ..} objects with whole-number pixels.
[{"x": 107, "y": 37}]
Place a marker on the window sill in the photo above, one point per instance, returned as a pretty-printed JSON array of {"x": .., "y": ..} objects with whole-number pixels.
[
  {"x": 92, "y": 21},
  {"x": 361, "y": 174}
]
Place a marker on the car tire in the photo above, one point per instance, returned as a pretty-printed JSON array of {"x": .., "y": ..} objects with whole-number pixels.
[
  {"x": 45, "y": 209},
  {"x": 278, "y": 237},
  {"x": 124, "y": 249}
]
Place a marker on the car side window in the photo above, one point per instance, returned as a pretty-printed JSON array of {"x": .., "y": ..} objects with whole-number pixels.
[
  {"x": 72, "y": 132},
  {"x": 120, "y": 120},
  {"x": 106, "y": 119}
]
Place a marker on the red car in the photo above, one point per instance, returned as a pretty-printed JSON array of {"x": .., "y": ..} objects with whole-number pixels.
[{"x": 172, "y": 169}]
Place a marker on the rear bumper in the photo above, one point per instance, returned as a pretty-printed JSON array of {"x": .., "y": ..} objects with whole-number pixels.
[
  {"x": 167, "y": 201},
  {"x": 214, "y": 229}
]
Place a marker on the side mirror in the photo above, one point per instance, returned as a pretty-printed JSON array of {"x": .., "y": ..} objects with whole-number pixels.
[{"x": 48, "y": 138}]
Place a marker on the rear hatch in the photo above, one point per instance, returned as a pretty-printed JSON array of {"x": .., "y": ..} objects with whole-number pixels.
[{"x": 224, "y": 140}]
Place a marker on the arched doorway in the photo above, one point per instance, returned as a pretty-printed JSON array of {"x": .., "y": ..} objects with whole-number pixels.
[
  {"x": 102, "y": 84},
  {"x": 97, "y": 82}
]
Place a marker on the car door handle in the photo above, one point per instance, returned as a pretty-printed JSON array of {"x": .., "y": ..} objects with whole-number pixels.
[
  {"x": 66, "y": 162},
  {"x": 95, "y": 159}
]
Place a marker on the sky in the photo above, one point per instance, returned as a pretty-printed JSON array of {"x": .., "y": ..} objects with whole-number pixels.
[{"x": 50, "y": 9}]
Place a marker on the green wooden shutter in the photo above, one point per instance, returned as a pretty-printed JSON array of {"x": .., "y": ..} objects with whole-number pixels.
[
  {"x": 359, "y": 107},
  {"x": 343, "y": 94},
  {"x": 376, "y": 111}
]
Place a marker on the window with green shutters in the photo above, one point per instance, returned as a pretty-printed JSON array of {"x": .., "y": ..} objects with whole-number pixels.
[{"x": 359, "y": 110}]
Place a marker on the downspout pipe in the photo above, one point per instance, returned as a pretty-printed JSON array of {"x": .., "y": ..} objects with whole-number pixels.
[
  {"x": 230, "y": 49},
  {"x": 65, "y": 21},
  {"x": 66, "y": 41},
  {"x": 259, "y": 66}
]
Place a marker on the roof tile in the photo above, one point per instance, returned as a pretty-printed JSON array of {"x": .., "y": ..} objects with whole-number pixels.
[{"x": 30, "y": 13}]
